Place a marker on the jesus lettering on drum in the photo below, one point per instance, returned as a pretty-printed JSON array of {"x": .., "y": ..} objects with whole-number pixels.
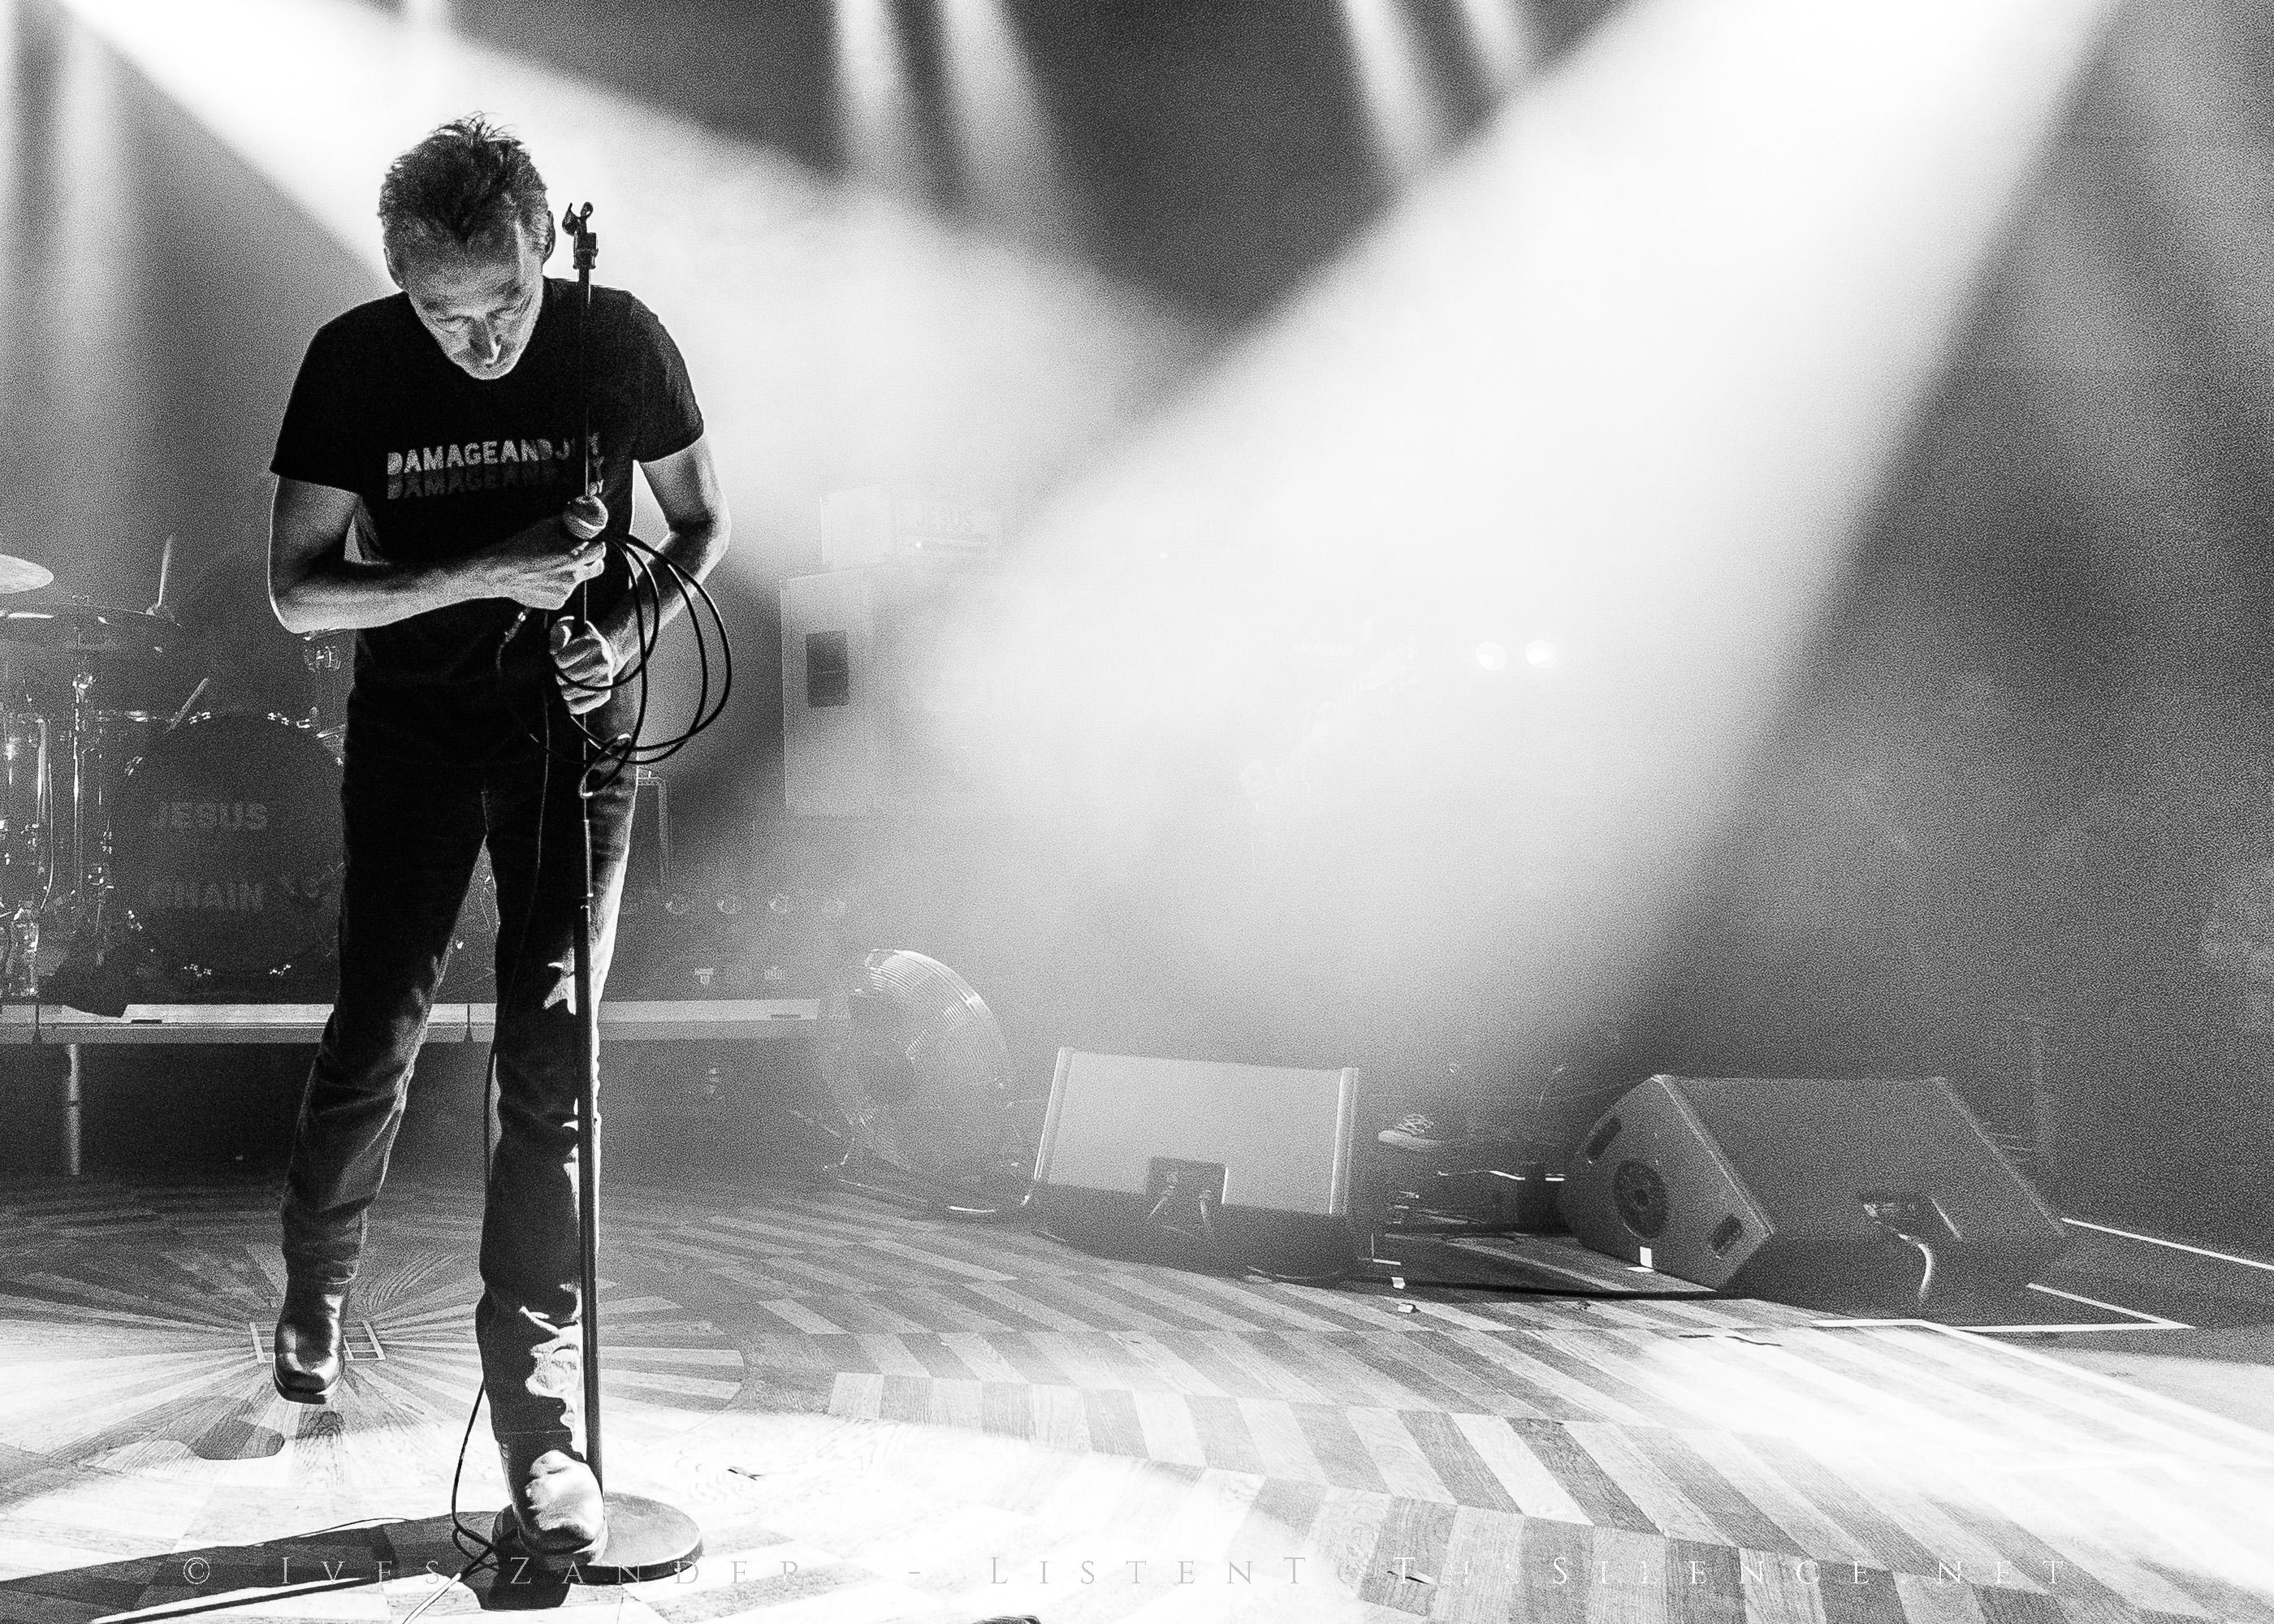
[{"x": 476, "y": 371}]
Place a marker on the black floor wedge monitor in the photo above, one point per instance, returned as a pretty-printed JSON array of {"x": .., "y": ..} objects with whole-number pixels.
[{"x": 1797, "y": 1189}]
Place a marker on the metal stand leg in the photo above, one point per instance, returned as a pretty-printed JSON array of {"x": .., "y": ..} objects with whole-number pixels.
[
  {"x": 646, "y": 1538},
  {"x": 72, "y": 1098},
  {"x": 588, "y": 1144}
]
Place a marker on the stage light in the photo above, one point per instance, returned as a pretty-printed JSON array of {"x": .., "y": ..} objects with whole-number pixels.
[
  {"x": 1540, "y": 654},
  {"x": 1492, "y": 656},
  {"x": 1498, "y": 41},
  {"x": 1402, "y": 106},
  {"x": 1003, "y": 143},
  {"x": 881, "y": 144}
]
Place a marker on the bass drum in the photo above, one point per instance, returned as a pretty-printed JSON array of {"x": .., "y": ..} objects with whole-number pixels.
[{"x": 227, "y": 846}]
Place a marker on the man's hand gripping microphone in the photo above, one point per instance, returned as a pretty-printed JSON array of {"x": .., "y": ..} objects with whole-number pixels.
[
  {"x": 533, "y": 563},
  {"x": 583, "y": 661}
]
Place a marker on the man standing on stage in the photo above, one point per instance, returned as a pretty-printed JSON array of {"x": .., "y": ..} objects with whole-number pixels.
[{"x": 428, "y": 493}]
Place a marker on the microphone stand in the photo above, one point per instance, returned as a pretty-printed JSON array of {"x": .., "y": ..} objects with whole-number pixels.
[{"x": 646, "y": 1538}]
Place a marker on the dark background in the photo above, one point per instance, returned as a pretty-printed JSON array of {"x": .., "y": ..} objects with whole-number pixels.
[{"x": 2017, "y": 825}]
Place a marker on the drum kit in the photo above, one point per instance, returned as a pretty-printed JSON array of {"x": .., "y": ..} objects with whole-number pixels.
[{"x": 169, "y": 851}]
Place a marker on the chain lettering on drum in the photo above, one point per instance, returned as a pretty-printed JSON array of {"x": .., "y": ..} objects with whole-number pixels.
[{"x": 238, "y": 897}]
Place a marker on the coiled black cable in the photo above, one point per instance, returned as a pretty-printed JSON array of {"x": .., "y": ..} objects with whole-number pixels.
[
  {"x": 642, "y": 564},
  {"x": 592, "y": 752},
  {"x": 649, "y": 570}
]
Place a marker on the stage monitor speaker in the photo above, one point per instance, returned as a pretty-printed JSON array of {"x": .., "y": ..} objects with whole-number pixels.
[
  {"x": 1785, "y": 1187},
  {"x": 1249, "y": 1163}
]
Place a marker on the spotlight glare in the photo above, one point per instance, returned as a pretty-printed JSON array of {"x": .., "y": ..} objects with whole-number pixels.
[
  {"x": 1400, "y": 101},
  {"x": 873, "y": 84},
  {"x": 1498, "y": 38},
  {"x": 1492, "y": 656},
  {"x": 1002, "y": 137},
  {"x": 1626, "y": 366}
]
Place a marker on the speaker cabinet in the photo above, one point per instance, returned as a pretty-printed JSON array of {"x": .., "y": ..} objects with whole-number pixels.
[
  {"x": 1783, "y": 1187},
  {"x": 1251, "y": 1162}
]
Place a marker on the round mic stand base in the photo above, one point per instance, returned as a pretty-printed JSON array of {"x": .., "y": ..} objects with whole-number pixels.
[{"x": 647, "y": 1539}]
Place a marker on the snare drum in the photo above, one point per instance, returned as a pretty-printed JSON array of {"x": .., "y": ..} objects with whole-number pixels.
[{"x": 227, "y": 849}]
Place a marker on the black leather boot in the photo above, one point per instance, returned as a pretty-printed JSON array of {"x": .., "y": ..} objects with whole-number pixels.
[
  {"x": 556, "y": 1518},
  {"x": 311, "y": 1340}
]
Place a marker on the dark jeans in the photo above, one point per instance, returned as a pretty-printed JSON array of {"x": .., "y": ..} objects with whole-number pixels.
[{"x": 413, "y": 830}]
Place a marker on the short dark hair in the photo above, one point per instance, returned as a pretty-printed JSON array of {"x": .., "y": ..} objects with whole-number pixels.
[{"x": 466, "y": 185}]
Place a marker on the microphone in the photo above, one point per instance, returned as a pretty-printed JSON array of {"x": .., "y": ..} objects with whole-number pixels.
[{"x": 579, "y": 520}]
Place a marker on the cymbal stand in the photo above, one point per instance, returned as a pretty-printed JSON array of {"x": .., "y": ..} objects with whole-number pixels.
[{"x": 69, "y": 902}]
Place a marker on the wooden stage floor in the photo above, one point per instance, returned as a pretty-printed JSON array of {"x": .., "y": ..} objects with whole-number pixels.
[{"x": 880, "y": 1415}]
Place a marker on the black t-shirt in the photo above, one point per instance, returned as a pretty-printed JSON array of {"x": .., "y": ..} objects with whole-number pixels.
[{"x": 446, "y": 463}]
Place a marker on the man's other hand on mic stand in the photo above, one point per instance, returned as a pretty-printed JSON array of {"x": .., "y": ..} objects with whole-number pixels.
[{"x": 584, "y": 657}]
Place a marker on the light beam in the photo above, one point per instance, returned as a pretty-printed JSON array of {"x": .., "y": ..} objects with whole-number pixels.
[
  {"x": 838, "y": 336},
  {"x": 881, "y": 145},
  {"x": 1631, "y": 367},
  {"x": 1003, "y": 139},
  {"x": 1402, "y": 106},
  {"x": 1499, "y": 40}
]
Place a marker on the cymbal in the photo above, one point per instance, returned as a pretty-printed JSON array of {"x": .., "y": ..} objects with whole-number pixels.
[
  {"x": 93, "y": 628},
  {"x": 22, "y": 576}
]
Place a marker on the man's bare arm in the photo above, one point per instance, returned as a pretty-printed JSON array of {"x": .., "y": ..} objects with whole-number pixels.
[
  {"x": 313, "y": 586},
  {"x": 686, "y": 487}
]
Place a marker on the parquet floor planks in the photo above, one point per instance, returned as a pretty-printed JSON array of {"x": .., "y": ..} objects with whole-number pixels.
[{"x": 882, "y": 1416}]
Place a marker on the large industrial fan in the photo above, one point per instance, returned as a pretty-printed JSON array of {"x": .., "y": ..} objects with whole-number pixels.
[{"x": 923, "y": 1082}]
